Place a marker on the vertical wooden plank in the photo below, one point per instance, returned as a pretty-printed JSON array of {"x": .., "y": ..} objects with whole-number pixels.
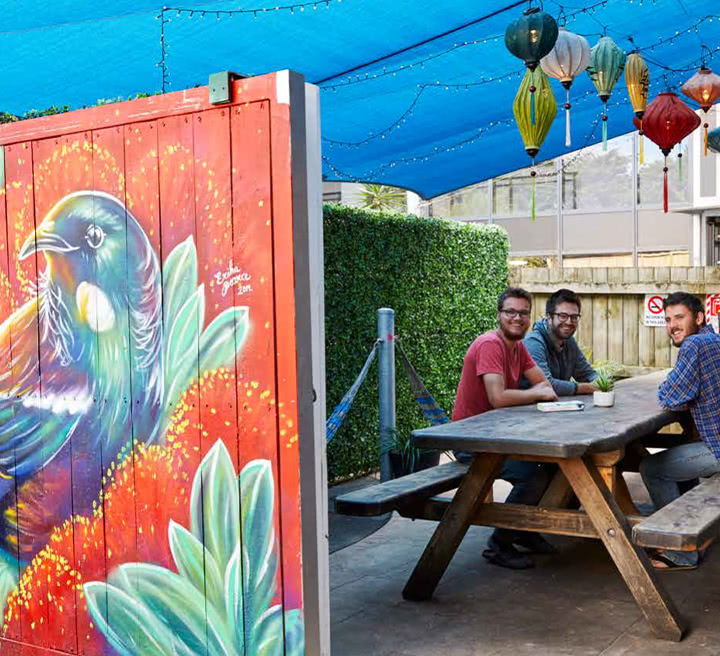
[
  {"x": 25, "y": 361},
  {"x": 631, "y": 321},
  {"x": 662, "y": 347},
  {"x": 211, "y": 151},
  {"x": 600, "y": 327},
  {"x": 646, "y": 337},
  {"x": 118, "y": 402},
  {"x": 584, "y": 333},
  {"x": 63, "y": 166},
  {"x": 616, "y": 329},
  {"x": 12, "y": 627}
]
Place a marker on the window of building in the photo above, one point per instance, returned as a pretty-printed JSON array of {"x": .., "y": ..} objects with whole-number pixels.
[
  {"x": 470, "y": 202},
  {"x": 596, "y": 179},
  {"x": 650, "y": 175},
  {"x": 512, "y": 194}
]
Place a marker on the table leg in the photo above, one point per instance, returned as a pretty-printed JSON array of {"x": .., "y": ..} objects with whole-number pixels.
[
  {"x": 558, "y": 493},
  {"x": 452, "y": 528},
  {"x": 632, "y": 561}
]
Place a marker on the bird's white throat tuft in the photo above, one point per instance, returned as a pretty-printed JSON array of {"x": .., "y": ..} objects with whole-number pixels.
[{"x": 94, "y": 307}]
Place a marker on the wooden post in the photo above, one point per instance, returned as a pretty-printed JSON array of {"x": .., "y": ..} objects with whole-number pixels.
[
  {"x": 633, "y": 563},
  {"x": 451, "y": 530}
]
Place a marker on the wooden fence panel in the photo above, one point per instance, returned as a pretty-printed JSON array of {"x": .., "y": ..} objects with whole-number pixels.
[{"x": 612, "y": 325}]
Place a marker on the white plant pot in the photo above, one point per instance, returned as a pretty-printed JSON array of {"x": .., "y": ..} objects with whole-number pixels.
[{"x": 604, "y": 399}]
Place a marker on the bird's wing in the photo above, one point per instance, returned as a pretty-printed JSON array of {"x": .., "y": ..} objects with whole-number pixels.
[{"x": 40, "y": 405}]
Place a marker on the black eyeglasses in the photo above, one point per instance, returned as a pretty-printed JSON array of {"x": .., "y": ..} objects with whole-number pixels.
[
  {"x": 564, "y": 316},
  {"x": 523, "y": 314}
]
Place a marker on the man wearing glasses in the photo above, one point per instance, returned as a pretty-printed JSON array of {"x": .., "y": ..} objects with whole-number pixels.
[
  {"x": 555, "y": 351},
  {"x": 490, "y": 379}
]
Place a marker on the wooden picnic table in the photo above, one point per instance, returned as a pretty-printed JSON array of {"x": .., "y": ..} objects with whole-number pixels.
[{"x": 587, "y": 446}]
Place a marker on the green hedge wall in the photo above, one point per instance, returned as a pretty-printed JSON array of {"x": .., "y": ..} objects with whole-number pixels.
[{"x": 442, "y": 278}]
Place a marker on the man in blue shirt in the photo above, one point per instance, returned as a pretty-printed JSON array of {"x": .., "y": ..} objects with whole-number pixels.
[
  {"x": 694, "y": 384},
  {"x": 554, "y": 349}
]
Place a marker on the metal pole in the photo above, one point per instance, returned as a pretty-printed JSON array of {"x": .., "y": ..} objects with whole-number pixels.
[
  {"x": 560, "y": 215},
  {"x": 386, "y": 369},
  {"x": 636, "y": 182}
]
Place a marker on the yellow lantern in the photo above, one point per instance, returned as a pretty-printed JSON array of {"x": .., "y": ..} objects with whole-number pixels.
[{"x": 637, "y": 79}]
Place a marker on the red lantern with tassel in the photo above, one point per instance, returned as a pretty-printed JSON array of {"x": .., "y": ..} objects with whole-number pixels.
[
  {"x": 667, "y": 121},
  {"x": 704, "y": 89}
]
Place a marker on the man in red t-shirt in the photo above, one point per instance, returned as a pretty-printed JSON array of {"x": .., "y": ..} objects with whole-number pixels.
[{"x": 490, "y": 378}]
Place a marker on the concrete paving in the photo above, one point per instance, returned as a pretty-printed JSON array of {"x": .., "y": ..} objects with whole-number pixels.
[{"x": 574, "y": 602}]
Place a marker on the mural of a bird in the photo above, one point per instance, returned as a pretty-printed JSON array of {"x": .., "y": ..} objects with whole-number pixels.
[{"x": 85, "y": 369}]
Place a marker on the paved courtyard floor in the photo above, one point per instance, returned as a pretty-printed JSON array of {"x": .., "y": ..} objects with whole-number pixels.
[{"x": 574, "y": 602}]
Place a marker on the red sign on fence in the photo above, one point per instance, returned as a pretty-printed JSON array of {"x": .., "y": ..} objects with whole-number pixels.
[{"x": 654, "y": 314}]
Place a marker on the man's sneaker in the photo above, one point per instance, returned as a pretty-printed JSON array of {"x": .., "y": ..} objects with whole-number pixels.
[
  {"x": 534, "y": 543},
  {"x": 507, "y": 556}
]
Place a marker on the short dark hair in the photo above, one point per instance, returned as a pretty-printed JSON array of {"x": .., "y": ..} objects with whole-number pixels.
[
  {"x": 562, "y": 296},
  {"x": 513, "y": 292},
  {"x": 692, "y": 303}
]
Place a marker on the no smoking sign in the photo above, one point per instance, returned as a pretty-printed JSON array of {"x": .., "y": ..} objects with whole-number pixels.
[{"x": 654, "y": 314}]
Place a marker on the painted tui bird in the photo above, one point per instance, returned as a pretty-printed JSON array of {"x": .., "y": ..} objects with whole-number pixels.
[{"x": 83, "y": 368}]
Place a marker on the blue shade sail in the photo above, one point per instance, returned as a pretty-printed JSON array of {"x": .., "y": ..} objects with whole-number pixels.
[{"x": 413, "y": 94}]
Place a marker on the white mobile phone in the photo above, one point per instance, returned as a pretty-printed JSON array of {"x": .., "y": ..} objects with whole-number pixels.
[{"x": 561, "y": 406}]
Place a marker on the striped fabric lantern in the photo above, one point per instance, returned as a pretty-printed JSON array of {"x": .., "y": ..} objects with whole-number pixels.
[
  {"x": 607, "y": 61},
  {"x": 666, "y": 122},
  {"x": 569, "y": 58},
  {"x": 713, "y": 140},
  {"x": 704, "y": 89},
  {"x": 637, "y": 79},
  {"x": 535, "y": 109}
]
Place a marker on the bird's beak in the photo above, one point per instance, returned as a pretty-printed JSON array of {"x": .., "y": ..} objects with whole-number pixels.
[{"x": 44, "y": 239}]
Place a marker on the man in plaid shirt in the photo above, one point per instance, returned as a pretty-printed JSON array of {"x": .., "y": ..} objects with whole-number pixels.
[{"x": 694, "y": 384}]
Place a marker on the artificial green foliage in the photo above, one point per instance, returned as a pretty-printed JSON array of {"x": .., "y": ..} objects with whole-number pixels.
[
  {"x": 188, "y": 349},
  {"x": 442, "y": 278},
  {"x": 219, "y": 602}
]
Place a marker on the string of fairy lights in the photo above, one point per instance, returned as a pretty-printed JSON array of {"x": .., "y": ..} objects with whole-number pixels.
[{"x": 382, "y": 68}]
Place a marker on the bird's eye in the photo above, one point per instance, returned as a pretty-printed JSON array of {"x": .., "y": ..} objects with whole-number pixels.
[{"x": 95, "y": 236}]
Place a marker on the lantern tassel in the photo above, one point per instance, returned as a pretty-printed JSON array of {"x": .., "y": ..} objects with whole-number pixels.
[
  {"x": 665, "y": 187},
  {"x": 642, "y": 150},
  {"x": 532, "y": 190},
  {"x": 604, "y": 127},
  {"x": 680, "y": 166},
  {"x": 567, "y": 117},
  {"x": 706, "y": 139}
]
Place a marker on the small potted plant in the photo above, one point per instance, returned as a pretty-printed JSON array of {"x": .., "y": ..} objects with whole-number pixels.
[
  {"x": 605, "y": 383},
  {"x": 406, "y": 458}
]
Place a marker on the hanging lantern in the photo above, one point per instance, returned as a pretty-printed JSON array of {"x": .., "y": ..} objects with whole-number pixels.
[
  {"x": 637, "y": 79},
  {"x": 704, "y": 89},
  {"x": 666, "y": 122},
  {"x": 532, "y": 36},
  {"x": 607, "y": 61},
  {"x": 713, "y": 140},
  {"x": 569, "y": 58},
  {"x": 535, "y": 109}
]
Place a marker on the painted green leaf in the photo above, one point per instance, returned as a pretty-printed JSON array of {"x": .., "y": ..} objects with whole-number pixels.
[
  {"x": 134, "y": 630},
  {"x": 176, "y": 602},
  {"x": 267, "y": 633},
  {"x": 223, "y": 338},
  {"x": 234, "y": 601},
  {"x": 196, "y": 563},
  {"x": 215, "y": 505},
  {"x": 294, "y": 633},
  {"x": 179, "y": 278},
  {"x": 181, "y": 349},
  {"x": 259, "y": 554}
]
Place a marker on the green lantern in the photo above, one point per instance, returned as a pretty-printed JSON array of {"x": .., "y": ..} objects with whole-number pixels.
[
  {"x": 532, "y": 36},
  {"x": 535, "y": 109},
  {"x": 607, "y": 61}
]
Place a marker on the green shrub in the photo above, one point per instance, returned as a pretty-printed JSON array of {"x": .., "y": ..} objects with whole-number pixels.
[{"x": 442, "y": 278}]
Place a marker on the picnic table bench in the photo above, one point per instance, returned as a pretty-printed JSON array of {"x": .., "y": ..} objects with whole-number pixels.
[{"x": 588, "y": 447}]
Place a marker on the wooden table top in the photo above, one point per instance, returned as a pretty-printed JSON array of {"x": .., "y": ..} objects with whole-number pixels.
[{"x": 524, "y": 430}]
